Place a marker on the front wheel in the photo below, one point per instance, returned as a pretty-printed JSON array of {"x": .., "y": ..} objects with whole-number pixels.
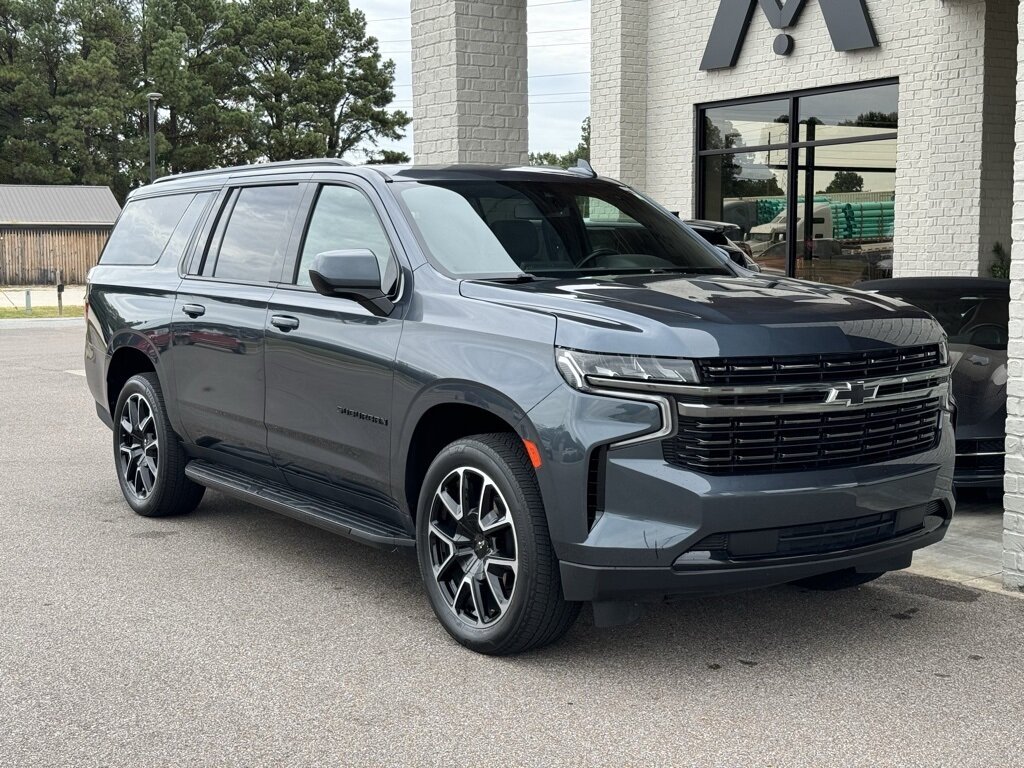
[
  {"x": 484, "y": 551},
  {"x": 149, "y": 457}
]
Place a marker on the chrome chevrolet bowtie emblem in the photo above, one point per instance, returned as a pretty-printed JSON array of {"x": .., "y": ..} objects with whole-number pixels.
[{"x": 851, "y": 393}]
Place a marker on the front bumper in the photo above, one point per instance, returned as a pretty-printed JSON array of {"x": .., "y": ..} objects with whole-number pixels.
[
  {"x": 682, "y": 579},
  {"x": 632, "y": 534}
]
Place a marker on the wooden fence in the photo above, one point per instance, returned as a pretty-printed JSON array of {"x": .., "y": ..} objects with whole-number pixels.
[{"x": 31, "y": 255}]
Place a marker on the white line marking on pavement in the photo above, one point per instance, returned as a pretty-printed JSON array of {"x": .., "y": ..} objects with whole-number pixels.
[{"x": 76, "y": 372}]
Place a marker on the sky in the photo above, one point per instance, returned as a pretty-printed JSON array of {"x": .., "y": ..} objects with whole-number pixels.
[{"x": 559, "y": 43}]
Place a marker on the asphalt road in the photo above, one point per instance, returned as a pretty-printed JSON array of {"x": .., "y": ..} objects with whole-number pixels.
[{"x": 236, "y": 637}]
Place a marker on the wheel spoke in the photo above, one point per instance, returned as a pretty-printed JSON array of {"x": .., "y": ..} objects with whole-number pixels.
[
  {"x": 477, "y": 598},
  {"x": 496, "y": 590},
  {"x": 450, "y": 504},
  {"x": 465, "y": 503},
  {"x": 449, "y": 543},
  {"x": 133, "y": 413},
  {"x": 144, "y": 420},
  {"x": 506, "y": 563},
  {"x": 147, "y": 478}
]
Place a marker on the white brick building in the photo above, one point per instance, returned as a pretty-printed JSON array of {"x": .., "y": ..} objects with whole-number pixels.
[{"x": 906, "y": 147}]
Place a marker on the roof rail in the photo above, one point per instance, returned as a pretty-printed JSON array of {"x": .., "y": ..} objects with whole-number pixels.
[{"x": 255, "y": 166}]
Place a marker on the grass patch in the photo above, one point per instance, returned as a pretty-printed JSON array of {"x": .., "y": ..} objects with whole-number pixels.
[{"x": 11, "y": 313}]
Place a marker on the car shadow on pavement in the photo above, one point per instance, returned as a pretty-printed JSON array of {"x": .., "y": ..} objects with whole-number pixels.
[{"x": 901, "y": 616}]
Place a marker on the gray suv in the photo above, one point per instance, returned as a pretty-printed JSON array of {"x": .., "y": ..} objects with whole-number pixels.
[{"x": 542, "y": 382}]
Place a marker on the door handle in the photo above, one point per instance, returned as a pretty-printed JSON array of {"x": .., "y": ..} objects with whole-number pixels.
[
  {"x": 193, "y": 310},
  {"x": 284, "y": 322}
]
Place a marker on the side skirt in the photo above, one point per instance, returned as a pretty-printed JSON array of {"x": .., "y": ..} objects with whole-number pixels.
[{"x": 308, "y": 509}]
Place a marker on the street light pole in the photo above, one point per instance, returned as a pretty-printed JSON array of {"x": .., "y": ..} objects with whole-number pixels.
[{"x": 153, "y": 98}]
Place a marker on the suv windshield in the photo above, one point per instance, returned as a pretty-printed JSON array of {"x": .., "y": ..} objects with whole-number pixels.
[{"x": 550, "y": 228}]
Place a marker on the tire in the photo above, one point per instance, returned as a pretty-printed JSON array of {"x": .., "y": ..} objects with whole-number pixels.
[
  {"x": 150, "y": 442},
  {"x": 837, "y": 580},
  {"x": 467, "y": 549}
]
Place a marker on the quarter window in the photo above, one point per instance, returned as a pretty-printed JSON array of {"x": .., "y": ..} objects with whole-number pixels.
[
  {"x": 343, "y": 220},
  {"x": 257, "y": 233},
  {"x": 143, "y": 230}
]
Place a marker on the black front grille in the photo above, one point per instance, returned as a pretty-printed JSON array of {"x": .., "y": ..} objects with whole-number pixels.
[
  {"x": 821, "y": 538},
  {"x": 800, "y": 369},
  {"x": 804, "y": 441}
]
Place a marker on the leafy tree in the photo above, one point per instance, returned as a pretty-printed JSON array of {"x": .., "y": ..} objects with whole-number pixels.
[
  {"x": 886, "y": 120},
  {"x": 316, "y": 82},
  {"x": 194, "y": 60},
  {"x": 570, "y": 158},
  {"x": 242, "y": 80},
  {"x": 386, "y": 157},
  {"x": 845, "y": 181},
  {"x": 733, "y": 184}
]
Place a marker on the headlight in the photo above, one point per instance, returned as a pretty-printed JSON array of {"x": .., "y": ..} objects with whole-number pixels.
[
  {"x": 580, "y": 368},
  {"x": 943, "y": 352}
]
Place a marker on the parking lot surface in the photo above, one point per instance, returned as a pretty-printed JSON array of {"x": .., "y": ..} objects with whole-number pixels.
[{"x": 236, "y": 637}]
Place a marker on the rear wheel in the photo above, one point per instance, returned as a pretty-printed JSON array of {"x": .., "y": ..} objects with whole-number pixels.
[
  {"x": 149, "y": 457},
  {"x": 832, "y": 582},
  {"x": 484, "y": 552}
]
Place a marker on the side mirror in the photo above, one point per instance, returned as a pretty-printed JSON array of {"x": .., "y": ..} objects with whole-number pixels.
[{"x": 353, "y": 274}]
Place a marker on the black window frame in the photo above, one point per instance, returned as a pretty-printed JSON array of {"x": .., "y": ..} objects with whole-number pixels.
[
  {"x": 793, "y": 148},
  {"x": 215, "y": 229},
  {"x": 304, "y": 218}
]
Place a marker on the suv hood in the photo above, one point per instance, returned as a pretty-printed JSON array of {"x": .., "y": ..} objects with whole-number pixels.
[{"x": 714, "y": 316}]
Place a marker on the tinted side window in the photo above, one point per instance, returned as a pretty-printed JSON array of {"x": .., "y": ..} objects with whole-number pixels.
[
  {"x": 257, "y": 233},
  {"x": 143, "y": 230},
  {"x": 186, "y": 225},
  {"x": 343, "y": 219}
]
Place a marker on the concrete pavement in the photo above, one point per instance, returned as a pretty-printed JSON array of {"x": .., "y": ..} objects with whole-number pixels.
[{"x": 234, "y": 637}]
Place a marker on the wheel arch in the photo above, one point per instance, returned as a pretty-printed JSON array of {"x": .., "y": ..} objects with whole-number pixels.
[
  {"x": 447, "y": 412},
  {"x": 129, "y": 354}
]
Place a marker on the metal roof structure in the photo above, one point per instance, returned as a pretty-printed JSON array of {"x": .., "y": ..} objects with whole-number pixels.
[{"x": 57, "y": 205}]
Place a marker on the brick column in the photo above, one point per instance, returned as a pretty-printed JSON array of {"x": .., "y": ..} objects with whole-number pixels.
[
  {"x": 469, "y": 82},
  {"x": 1013, "y": 516},
  {"x": 618, "y": 89}
]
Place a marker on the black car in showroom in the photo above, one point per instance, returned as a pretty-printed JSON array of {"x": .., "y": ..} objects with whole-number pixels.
[{"x": 974, "y": 311}]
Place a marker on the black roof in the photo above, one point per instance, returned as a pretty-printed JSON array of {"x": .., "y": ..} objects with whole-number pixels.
[
  {"x": 952, "y": 284},
  {"x": 388, "y": 172}
]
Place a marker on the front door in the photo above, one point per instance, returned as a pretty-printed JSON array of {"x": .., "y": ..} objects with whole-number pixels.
[
  {"x": 218, "y": 326},
  {"x": 330, "y": 363}
]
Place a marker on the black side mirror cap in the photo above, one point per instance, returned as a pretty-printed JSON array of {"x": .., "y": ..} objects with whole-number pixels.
[{"x": 351, "y": 274}]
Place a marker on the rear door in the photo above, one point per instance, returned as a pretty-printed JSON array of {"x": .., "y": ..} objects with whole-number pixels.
[
  {"x": 219, "y": 319},
  {"x": 330, "y": 362}
]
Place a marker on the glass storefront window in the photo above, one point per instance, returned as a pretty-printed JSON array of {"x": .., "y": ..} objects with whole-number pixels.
[
  {"x": 849, "y": 114},
  {"x": 838, "y": 177},
  {"x": 756, "y": 124}
]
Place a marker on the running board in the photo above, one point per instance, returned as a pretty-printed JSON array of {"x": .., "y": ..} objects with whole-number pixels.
[{"x": 303, "y": 507}]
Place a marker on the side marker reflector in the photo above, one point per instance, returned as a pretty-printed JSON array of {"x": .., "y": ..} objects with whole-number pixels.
[{"x": 533, "y": 452}]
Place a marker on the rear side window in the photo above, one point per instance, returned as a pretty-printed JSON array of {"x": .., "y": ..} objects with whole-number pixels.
[
  {"x": 256, "y": 233},
  {"x": 143, "y": 230}
]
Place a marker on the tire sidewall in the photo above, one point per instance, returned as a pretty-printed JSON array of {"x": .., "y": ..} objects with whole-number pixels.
[
  {"x": 139, "y": 385},
  {"x": 472, "y": 453}
]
